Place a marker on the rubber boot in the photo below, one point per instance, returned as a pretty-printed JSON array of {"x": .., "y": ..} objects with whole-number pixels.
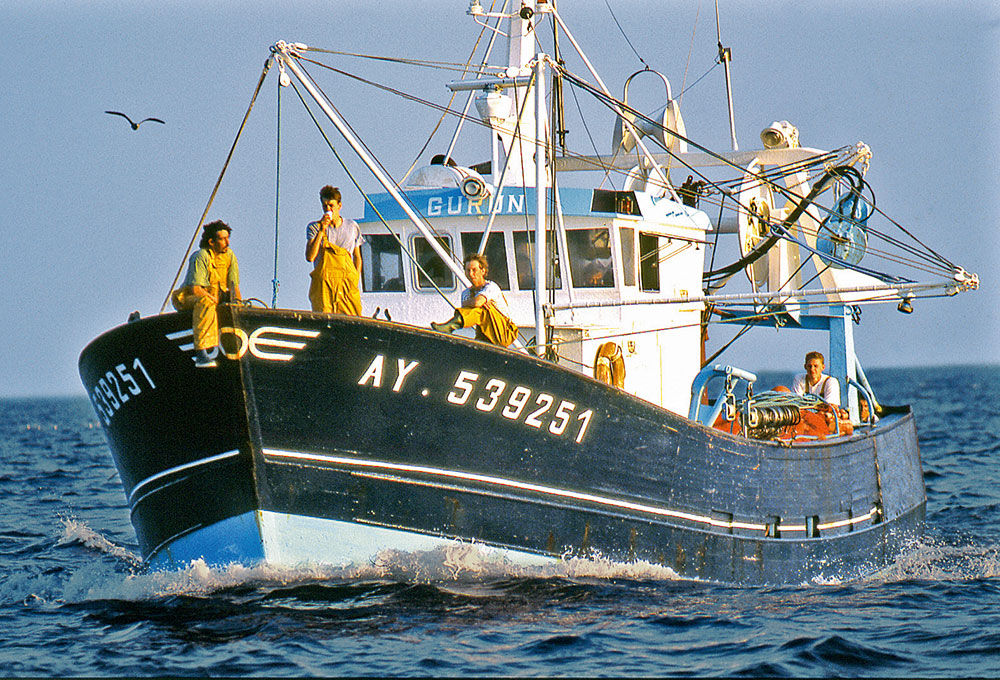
[
  {"x": 202, "y": 359},
  {"x": 450, "y": 326}
]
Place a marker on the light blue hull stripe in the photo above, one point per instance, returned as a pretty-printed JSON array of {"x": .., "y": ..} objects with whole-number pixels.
[
  {"x": 283, "y": 540},
  {"x": 236, "y": 539}
]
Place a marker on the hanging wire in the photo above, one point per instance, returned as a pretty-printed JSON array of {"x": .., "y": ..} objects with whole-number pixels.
[
  {"x": 687, "y": 64},
  {"x": 770, "y": 178},
  {"x": 624, "y": 35},
  {"x": 218, "y": 182}
]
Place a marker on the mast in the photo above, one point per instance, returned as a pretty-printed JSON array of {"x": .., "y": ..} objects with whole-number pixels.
[{"x": 540, "y": 185}]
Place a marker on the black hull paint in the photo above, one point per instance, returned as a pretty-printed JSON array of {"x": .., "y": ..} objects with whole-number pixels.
[{"x": 385, "y": 425}]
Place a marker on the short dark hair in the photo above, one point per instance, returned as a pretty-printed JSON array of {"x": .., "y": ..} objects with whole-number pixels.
[
  {"x": 329, "y": 193},
  {"x": 815, "y": 355},
  {"x": 211, "y": 230},
  {"x": 481, "y": 259}
]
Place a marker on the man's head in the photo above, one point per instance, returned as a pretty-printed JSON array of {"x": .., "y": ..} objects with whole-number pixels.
[
  {"x": 814, "y": 366},
  {"x": 215, "y": 235},
  {"x": 330, "y": 198},
  {"x": 476, "y": 268}
]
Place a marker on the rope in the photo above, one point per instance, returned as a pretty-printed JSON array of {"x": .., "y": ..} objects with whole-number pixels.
[{"x": 218, "y": 182}]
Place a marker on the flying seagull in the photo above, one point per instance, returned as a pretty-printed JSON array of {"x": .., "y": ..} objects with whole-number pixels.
[{"x": 135, "y": 126}]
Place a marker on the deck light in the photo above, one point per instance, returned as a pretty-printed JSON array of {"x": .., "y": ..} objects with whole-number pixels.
[{"x": 780, "y": 135}]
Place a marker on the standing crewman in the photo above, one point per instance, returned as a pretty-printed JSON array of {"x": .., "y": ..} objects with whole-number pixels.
[
  {"x": 333, "y": 244},
  {"x": 213, "y": 276}
]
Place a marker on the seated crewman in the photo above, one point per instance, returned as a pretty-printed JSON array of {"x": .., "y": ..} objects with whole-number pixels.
[
  {"x": 213, "y": 276},
  {"x": 814, "y": 381},
  {"x": 483, "y": 306}
]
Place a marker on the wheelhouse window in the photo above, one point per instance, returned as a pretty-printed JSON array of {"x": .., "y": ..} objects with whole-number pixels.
[
  {"x": 496, "y": 255},
  {"x": 590, "y": 261},
  {"x": 383, "y": 264},
  {"x": 627, "y": 237},
  {"x": 649, "y": 262},
  {"x": 431, "y": 263},
  {"x": 524, "y": 261}
]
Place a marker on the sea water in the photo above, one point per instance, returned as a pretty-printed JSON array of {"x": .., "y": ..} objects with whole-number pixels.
[{"x": 74, "y": 600}]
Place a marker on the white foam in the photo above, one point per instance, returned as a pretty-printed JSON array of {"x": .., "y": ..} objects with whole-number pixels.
[
  {"x": 75, "y": 531},
  {"x": 933, "y": 559},
  {"x": 457, "y": 563}
]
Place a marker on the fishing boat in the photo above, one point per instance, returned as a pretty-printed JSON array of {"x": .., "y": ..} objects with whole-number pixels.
[{"x": 604, "y": 430}]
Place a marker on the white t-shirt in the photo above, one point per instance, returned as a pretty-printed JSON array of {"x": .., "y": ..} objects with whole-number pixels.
[
  {"x": 490, "y": 291},
  {"x": 828, "y": 388},
  {"x": 346, "y": 236}
]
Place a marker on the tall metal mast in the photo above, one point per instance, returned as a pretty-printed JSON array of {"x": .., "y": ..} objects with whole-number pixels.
[{"x": 541, "y": 251}]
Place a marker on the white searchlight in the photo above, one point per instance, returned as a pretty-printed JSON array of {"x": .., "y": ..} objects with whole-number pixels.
[{"x": 780, "y": 135}]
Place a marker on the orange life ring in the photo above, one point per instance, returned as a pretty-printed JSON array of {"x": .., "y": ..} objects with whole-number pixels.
[{"x": 609, "y": 365}]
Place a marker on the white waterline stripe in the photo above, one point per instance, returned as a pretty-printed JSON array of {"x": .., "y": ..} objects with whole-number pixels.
[
  {"x": 525, "y": 486},
  {"x": 560, "y": 492},
  {"x": 852, "y": 520},
  {"x": 185, "y": 466}
]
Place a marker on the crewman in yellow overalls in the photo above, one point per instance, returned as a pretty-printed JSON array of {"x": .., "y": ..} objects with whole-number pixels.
[
  {"x": 333, "y": 244},
  {"x": 483, "y": 307},
  {"x": 213, "y": 276}
]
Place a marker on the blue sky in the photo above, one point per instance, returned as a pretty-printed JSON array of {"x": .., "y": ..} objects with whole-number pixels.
[{"x": 96, "y": 217}]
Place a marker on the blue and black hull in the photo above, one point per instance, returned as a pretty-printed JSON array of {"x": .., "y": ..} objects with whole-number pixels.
[{"x": 326, "y": 439}]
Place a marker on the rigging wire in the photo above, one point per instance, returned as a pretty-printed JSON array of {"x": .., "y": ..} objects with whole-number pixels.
[
  {"x": 439, "y": 65},
  {"x": 444, "y": 242},
  {"x": 593, "y": 144},
  {"x": 613, "y": 103},
  {"x": 929, "y": 256},
  {"x": 218, "y": 182},
  {"x": 687, "y": 64},
  {"x": 364, "y": 195},
  {"x": 769, "y": 177},
  {"x": 624, "y": 35},
  {"x": 451, "y": 99}
]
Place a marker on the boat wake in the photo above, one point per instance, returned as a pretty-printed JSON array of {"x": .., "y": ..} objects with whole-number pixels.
[
  {"x": 933, "y": 559},
  {"x": 458, "y": 563}
]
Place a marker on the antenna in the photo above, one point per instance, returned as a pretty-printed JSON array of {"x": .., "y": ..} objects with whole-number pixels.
[{"x": 726, "y": 56}]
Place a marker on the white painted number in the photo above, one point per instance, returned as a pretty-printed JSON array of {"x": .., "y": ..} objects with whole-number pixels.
[
  {"x": 546, "y": 403},
  {"x": 138, "y": 365},
  {"x": 486, "y": 394},
  {"x": 495, "y": 387},
  {"x": 518, "y": 398},
  {"x": 559, "y": 423},
  {"x": 585, "y": 417},
  {"x": 108, "y": 396},
  {"x": 127, "y": 377},
  {"x": 464, "y": 382}
]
